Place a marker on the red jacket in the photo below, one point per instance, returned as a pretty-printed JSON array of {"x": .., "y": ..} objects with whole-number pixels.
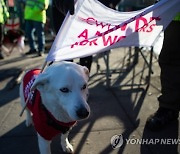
[{"x": 44, "y": 122}]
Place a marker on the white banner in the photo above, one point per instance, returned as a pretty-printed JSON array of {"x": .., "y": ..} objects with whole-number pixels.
[{"x": 95, "y": 28}]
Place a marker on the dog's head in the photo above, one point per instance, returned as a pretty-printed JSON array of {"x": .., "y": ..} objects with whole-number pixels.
[{"x": 64, "y": 91}]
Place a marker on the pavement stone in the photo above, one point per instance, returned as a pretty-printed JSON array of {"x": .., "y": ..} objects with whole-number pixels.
[{"x": 120, "y": 109}]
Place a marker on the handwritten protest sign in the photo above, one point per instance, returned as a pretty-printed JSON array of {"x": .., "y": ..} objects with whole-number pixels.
[{"x": 95, "y": 28}]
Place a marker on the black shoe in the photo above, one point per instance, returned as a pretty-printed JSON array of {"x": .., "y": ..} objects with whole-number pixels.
[
  {"x": 40, "y": 53},
  {"x": 161, "y": 118},
  {"x": 31, "y": 51}
]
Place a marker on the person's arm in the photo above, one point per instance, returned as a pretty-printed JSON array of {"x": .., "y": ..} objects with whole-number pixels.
[{"x": 42, "y": 4}]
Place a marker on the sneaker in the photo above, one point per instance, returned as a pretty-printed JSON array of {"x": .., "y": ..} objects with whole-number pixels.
[
  {"x": 161, "y": 118},
  {"x": 31, "y": 51}
]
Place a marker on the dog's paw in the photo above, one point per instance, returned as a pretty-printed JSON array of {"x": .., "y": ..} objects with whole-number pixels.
[
  {"x": 68, "y": 148},
  {"x": 29, "y": 122}
]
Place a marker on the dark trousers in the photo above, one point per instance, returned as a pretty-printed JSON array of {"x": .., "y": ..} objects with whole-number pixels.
[
  {"x": 1, "y": 39},
  {"x": 30, "y": 26},
  {"x": 1, "y": 35},
  {"x": 58, "y": 17},
  {"x": 169, "y": 61}
]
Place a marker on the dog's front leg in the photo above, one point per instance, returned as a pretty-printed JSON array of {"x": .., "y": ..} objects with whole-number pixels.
[
  {"x": 29, "y": 120},
  {"x": 44, "y": 145},
  {"x": 66, "y": 146}
]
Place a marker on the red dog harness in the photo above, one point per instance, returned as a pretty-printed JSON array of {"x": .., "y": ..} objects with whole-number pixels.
[{"x": 44, "y": 122}]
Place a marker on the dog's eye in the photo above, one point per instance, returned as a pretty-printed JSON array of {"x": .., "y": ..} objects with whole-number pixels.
[
  {"x": 84, "y": 86},
  {"x": 64, "y": 90}
]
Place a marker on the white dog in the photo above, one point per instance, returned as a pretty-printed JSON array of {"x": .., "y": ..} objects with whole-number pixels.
[{"x": 57, "y": 100}]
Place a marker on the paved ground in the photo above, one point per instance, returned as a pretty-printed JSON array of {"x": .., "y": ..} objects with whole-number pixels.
[{"x": 121, "y": 109}]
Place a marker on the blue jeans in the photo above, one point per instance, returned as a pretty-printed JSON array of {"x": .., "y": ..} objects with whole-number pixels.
[{"x": 38, "y": 27}]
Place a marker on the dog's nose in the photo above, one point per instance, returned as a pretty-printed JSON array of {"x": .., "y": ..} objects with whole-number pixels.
[{"x": 82, "y": 113}]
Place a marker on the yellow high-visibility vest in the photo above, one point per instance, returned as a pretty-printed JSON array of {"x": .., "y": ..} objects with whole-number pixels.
[
  {"x": 4, "y": 14},
  {"x": 36, "y": 10}
]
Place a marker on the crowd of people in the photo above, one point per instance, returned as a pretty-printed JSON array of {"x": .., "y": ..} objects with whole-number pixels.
[
  {"x": 169, "y": 59},
  {"x": 35, "y": 18}
]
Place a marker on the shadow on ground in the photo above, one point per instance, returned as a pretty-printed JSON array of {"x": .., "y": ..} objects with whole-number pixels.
[{"x": 124, "y": 103}]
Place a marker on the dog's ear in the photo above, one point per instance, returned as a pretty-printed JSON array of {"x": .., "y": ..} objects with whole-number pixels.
[
  {"x": 40, "y": 81},
  {"x": 86, "y": 71}
]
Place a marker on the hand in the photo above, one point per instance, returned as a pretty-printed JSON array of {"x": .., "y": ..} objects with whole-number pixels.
[
  {"x": 111, "y": 6},
  {"x": 157, "y": 1},
  {"x": 64, "y": 6},
  {"x": 68, "y": 5}
]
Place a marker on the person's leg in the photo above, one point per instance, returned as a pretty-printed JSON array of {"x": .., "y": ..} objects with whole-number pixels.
[
  {"x": 169, "y": 61},
  {"x": 1, "y": 40},
  {"x": 86, "y": 61},
  {"x": 39, "y": 26},
  {"x": 30, "y": 35},
  {"x": 58, "y": 17},
  {"x": 170, "y": 83}
]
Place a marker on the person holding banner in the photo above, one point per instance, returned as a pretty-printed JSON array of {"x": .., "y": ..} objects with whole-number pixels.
[
  {"x": 169, "y": 61},
  {"x": 60, "y": 9}
]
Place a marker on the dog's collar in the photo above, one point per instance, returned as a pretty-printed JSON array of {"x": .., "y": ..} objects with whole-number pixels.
[
  {"x": 61, "y": 126},
  {"x": 51, "y": 121}
]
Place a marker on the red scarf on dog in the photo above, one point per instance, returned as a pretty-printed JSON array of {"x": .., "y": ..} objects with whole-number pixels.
[{"x": 44, "y": 122}]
